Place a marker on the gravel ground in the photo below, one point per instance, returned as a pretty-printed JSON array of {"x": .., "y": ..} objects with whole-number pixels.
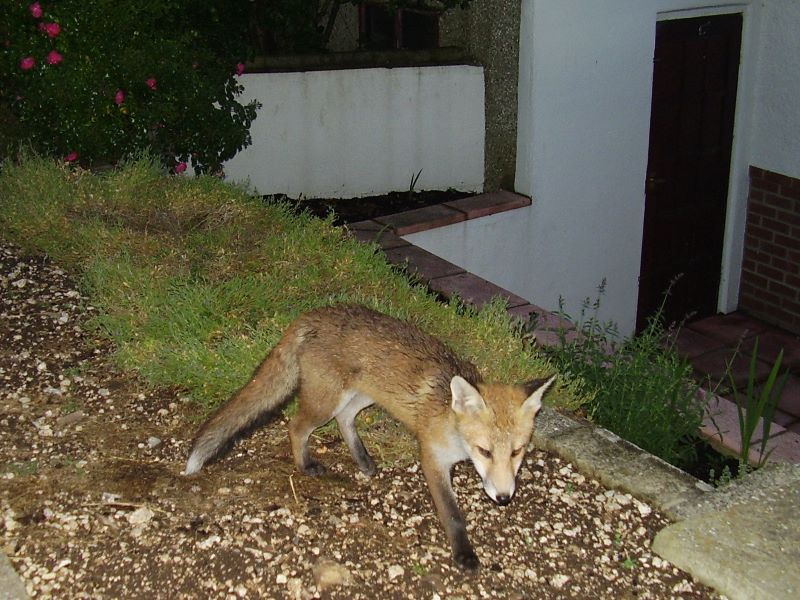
[{"x": 93, "y": 504}]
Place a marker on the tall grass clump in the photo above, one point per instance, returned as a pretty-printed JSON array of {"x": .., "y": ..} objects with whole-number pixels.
[
  {"x": 196, "y": 279},
  {"x": 638, "y": 387},
  {"x": 755, "y": 405}
]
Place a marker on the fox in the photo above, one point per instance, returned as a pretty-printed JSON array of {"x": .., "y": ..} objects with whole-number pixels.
[{"x": 340, "y": 359}]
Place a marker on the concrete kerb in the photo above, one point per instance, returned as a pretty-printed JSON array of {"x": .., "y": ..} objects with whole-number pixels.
[
  {"x": 742, "y": 539},
  {"x": 11, "y": 586},
  {"x": 619, "y": 464}
]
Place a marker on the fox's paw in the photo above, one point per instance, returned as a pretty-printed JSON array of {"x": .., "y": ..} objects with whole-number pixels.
[
  {"x": 467, "y": 560},
  {"x": 368, "y": 467},
  {"x": 314, "y": 468}
]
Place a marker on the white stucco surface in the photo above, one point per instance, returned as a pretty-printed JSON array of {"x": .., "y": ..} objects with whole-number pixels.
[
  {"x": 776, "y": 127},
  {"x": 356, "y": 132},
  {"x": 583, "y": 137},
  {"x": 584, "y": 105}
]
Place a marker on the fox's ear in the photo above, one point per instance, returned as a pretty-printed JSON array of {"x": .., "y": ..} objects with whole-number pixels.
[
  {"x": 535, "y": 390},
  {"x": 466, "y": 399}
]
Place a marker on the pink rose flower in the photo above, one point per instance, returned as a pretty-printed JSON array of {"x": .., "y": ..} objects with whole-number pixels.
[
  {"x": 71, "y": 157},
  {"x": 54, "y": 57},
  {"x": 27, "y": 63},
  {"x": 36, "y": 10},
  {"x": 180, "y": 167},
  {"x": 151, "y": 83},
  {"x": 51, "y": 29},
  {"x": 119, "y": 97},
  {"x": 239, "y": 68}
]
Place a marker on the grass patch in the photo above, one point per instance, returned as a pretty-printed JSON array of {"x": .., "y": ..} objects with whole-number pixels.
[{"x": 196, "y": 279}]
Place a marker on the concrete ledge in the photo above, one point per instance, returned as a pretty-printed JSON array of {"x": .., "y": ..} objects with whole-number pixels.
[
  {"x": 744, "y": 540},
  {"x": 473, "y": 289},
  {"x": 449, "y": 213},
  {"x": 619, "y": 464},
  {"x": 12, "y": 586},
  {"x": 362, "y": 59},
  {"x": 421, "y": 219},
  {"x": 373, "y": 232}
]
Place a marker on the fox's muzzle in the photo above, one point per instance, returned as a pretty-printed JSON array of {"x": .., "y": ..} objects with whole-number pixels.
[{"x": 503, "y": 500}]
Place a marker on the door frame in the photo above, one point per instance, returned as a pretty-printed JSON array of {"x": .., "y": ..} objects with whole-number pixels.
[{"x": 738, "y": 178}]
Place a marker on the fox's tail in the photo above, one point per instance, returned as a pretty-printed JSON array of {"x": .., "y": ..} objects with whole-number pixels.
[{"x": 274, "y": 381}]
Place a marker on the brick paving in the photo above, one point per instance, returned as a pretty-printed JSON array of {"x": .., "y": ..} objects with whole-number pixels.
[{"x": 723, "y": 343}]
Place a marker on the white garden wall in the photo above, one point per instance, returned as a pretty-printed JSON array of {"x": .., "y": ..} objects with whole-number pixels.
[{"x": 356, "y": 132}]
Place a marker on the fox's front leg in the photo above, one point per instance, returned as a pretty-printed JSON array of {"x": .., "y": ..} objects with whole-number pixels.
[{"x": 437, "y": 474}]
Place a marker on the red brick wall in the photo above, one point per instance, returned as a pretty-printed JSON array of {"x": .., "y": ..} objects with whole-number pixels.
[{"x": 770, "y": 286}]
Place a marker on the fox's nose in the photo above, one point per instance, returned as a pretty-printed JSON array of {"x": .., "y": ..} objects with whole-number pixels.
[{"x": 503, "y": 499}]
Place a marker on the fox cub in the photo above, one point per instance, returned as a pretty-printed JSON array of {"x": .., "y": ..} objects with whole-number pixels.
[{"x": 341, "y": 359}]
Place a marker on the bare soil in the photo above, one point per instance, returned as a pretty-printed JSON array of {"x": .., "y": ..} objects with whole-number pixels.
[
  {"x": 94, "y": 505},
  {"x": 352, "y": 210}
]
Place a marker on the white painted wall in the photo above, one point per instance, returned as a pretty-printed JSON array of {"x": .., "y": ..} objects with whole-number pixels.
[
  {"x": 776, "y": 131},
  {"x": 356, "y": 132},
  {"x": 583, "y": 135},
  {"x": 584, "y": 105}
]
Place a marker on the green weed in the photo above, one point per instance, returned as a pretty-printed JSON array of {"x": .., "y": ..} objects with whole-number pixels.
[
  {"x": 638, "y": 387},
  {"x": 22, "y": 469},
  {"x": 70, "y": 406},
  {"x": 755, "y": 405}
]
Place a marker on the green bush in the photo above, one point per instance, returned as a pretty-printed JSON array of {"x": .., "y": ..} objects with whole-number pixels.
[
  {"x": 639, "y": 387},
  {"x": 95, "y": 80}
]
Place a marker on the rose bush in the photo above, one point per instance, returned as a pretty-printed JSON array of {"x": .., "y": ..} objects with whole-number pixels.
[{"x": 95, "y": 80}]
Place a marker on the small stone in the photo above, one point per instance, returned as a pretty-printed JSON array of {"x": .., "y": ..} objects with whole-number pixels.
[
  {"x": 210, "y": 541},
  {"x": 559, "y": 581},
  {"x": 295, "y": 587},
  {"x": 109, "y": 498},
  {"x": 70, "y": 419},
  {"x": 140, "y": 516},
  {"x": 329, "y": 573},
  {"x": 153, "y": 441},
  {"x": 396, "y": 571}
]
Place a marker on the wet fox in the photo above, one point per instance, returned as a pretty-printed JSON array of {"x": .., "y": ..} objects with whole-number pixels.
[{"x": 340, "y": 359}]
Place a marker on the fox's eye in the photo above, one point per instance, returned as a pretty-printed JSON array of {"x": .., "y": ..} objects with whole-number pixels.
[
  {"x": 484, "y": 452},
  {"x": 517, "y": 452}
]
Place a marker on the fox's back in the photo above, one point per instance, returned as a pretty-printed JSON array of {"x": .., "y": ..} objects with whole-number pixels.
[{"x": 378, "y": 355}]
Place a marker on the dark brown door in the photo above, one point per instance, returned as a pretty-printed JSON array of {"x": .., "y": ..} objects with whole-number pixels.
[{"x": 695, "y": 71}]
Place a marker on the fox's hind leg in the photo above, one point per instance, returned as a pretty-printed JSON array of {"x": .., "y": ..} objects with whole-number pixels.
[
  {"x": 351, "y": 404},
  {"x": 311, "y": 414}
]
